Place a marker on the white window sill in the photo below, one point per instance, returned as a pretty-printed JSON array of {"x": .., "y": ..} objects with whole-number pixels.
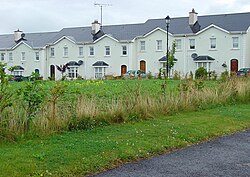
[
  {"x": 107, "y": 55},
  {"x": 235, "y": 49},
  {"x": 124, "y": 55},
  {"x": 36, "y": 60},
  {"x": 212, "y": 49},
  {"x": 159, "y": 51},
  {"x": 142, "y": 51},
  {"x": 52, "y": 56}
]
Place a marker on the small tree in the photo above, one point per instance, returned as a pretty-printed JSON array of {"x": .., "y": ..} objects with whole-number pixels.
[
  {"x": 201, "y": 73},
  {"x": 5, "y": 93},
  {"x": 32, "y": 95},
  {"x": 62, "y": 69},
  {"x": 171, "y": 57}
]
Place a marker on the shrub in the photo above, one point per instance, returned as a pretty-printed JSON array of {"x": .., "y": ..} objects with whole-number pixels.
[
  {"x": 201, "y": 73},
  {"x": 177, "y": 75},
  {"x": 224, "y": 75}
]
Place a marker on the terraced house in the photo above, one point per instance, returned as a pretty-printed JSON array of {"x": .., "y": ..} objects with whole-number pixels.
[{"x": 215, "y": 42}]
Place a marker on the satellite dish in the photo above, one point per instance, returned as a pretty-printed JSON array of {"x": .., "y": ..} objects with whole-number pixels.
[
  {"x": 22, "y": 35},
  {"x": 80, "y": 62},
  {"x": 194, "y": 55}
]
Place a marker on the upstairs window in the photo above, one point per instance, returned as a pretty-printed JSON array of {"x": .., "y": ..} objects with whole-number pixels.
[
  {"x": 235, "y": 42},
  {"x": 178, "y": 44},
  {"x": 159, "y": 45},
  {"x": 65, "y": 51},
  {"x": 107, "y": 50},
  {"x": 212, "y": 43},
  {"x": 23, "y": 56},
  {"x": 192, "y": 44},
  {"x": 37, "y": 56},
  {"x": 91, "y": 51},
  {"x": 52, "y": 52},
  {"x": 2, "y": 56},
  {"x": 80, "y": 51},
  {"x": 124, "y": 50},
  {"x": 142, "y": 45},
  {"x": 10, "y": 56}
]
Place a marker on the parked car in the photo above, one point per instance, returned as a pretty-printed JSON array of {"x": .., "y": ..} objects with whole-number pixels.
[
  {"x": 243, "y": 72},
  {"x": 135, "y": 74}
]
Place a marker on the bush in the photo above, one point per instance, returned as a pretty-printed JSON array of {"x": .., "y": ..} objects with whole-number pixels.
[
  {"x": 224, "y": 75},
  {"x": 201, "y": 73}
]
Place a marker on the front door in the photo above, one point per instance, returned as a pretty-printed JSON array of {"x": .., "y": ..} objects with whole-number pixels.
[
  {"x": 234, "y": 66},
  {"x": 52, "y": 72},
  {"x": 143, "y": 66},
  {"x": 123, "y": 69}
]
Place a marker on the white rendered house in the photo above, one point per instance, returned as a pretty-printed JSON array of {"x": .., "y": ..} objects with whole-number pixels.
[{"x": 216, "y": 42}]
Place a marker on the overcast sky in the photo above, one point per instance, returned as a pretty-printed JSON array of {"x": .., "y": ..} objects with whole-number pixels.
[{"x": 53, "y": 15}]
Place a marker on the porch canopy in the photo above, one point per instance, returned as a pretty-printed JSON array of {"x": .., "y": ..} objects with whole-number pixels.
[
  {"x": 73, "y": 63},
  {"x": 100, "y": 64},
  {"x": 204, "y": 58},
  {"x": 163, "y": 59},
  {"x": 19, "y": 68}
]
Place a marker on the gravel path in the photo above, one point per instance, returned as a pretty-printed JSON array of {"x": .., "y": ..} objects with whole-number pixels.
[{"x": 226, "y": 157}]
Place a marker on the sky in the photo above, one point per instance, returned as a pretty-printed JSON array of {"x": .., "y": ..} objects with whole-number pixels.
[{"x": 33, "y": 16}]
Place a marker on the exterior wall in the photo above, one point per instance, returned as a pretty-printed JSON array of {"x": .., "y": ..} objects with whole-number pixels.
[
  {"x": 247, "y": 63},
  {"x": 223, "y": 53},
  {"x": 30, "y": 63}
]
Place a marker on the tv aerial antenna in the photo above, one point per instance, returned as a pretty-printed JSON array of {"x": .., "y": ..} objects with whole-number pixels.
[{"x": 101, "y": 7}]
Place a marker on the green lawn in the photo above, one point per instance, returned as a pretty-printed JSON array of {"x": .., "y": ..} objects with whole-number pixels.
[{"x": 87, "y": 152}]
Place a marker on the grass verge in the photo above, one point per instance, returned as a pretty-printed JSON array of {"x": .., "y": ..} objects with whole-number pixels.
[{"x": 91, "y": 151}]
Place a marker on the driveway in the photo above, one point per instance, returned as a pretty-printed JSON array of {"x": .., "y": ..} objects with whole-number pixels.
[{"x": 226, "y": 157}]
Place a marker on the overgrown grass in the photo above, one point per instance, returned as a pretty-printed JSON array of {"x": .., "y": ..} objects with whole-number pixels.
[
  {"x": 86, "y": 104},
  {"x": 80, "y": 153}
]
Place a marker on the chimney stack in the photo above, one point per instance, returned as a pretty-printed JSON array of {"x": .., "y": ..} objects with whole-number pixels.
[
  {"x": 96, "y": 26},
  {"x": 193, "y": 18},
  {"x": 18, "y": 35}
]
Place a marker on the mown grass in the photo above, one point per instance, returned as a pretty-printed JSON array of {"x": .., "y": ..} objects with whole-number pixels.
[{"x": 80, "y": 153}]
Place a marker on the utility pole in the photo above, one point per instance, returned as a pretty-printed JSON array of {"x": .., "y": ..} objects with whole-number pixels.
[{"x": 101, "y": 6}]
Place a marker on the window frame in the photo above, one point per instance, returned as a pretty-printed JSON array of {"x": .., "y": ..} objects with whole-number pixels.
[
  {"x": 2, "y": 56},
  {"x": 235, "y": 43},
  {"x": 10, "y": 56},
  {"x": 124, "y": 52},
  {"x": 107, "y": 51},
  {"x": 52, "y": 52},
  {"x": 178, "y": 44},
  {"x": 142, "y": 45},
  {"x": 99, "y": 72},
  {"x": 213, "y": 43},
  {"x": 192, "y": 46},
  {"x": 73, "y": 72},
  {"x": 37, "y": 56},
  {"x": 91, "y": 51},
  {"x": 159, "y": 46},
  {"x": 65, "y": 51},
  {"x": 23, "y": 57},
  {"x": 80, "y": 51}
]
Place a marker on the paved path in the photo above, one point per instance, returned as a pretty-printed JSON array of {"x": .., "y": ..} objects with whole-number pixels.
[{"x": 225, "y": 157}]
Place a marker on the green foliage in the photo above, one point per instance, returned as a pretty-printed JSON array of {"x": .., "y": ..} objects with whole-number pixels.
[
  {"x": 171, "y": 56},
  {"x": 177, "y": 75},
  {"x": 82, "y": 153},
  {"x": 149, "y": 75},
  {"x": 224, "y": 75},
  {"x": 201, "y": 73},
  {"x": 32, "y": 95},
  {"x": 6, "y": 93}
]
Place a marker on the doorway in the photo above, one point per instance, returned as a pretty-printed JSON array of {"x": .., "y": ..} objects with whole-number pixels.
[
  {"x": 52, "y": 72},
  {"x": 234, "y": 66},
  {"x": 143, "y": 65},
  {"x": 123, "y": 69}
]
